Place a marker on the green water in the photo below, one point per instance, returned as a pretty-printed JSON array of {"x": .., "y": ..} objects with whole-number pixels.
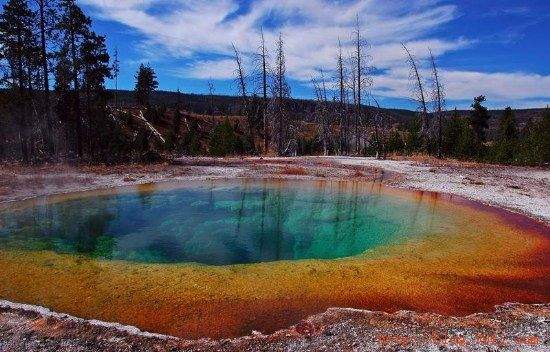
[{"x": 221, "y": 223}]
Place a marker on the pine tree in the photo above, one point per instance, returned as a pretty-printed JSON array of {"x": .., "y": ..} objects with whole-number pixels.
[
  {"x": 479, "y": 118},
  {"x": 45, "y": 15},
  {"x": 95, "y": 67},
  {"x": 19, "y": 48},
  {"x": 507, "y": 141},
  {"x": 95, "y": 70},
  {"x": 146, "y": 83},
  {"x": 535, "y": 141},
  {"x": 458, "y": 137},
  {"x": 74, "y": 27}
]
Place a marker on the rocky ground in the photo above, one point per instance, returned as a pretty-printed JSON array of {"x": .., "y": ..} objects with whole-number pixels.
[
  {"x": 522, "y": 189},
  {"x": 510, "y": 328}
]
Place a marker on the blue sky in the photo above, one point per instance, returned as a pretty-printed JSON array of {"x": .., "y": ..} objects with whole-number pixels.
[{"x": 499, "y": 48}]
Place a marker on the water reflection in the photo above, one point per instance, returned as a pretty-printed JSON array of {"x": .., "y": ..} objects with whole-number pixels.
[{"x": 224, "y": 223}]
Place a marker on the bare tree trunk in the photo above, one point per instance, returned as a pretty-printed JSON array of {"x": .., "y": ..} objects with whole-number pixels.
[
  {"x": 281, "y": 93},
  {"x": 421, "y": 97},
  {"x": 240, "y": 75},
  {"x": 438, "y": 96},
  {"x": 211, "y": 97},
  {"x": 362, "y": 73},
  {"x": 342, "y": 99},
  {"x": 322, "y": 115},
  {"x": 263, "y": 54},
  {"x": 241, "y": 79},
  {"x": 353, "y": 84},
  {"x": 358, "y": 55}
]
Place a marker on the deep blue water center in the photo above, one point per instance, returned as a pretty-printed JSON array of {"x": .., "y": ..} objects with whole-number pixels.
[{"x": 220, "y": 223}]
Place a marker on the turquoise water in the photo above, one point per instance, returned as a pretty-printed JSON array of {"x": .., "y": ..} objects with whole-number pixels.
[{"x": 221, "y": 223}]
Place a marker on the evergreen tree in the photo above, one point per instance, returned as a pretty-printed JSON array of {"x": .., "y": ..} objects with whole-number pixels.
[
  {"x": 19, "y": 49},
  {"x": 46, "y": 15},
  {"x": 459, "y": 140},
  {"x": 62, "y": 87},
  {"x": 95, "y": 70},
  {"x": 535, "y": 142},
  {"x": 479, "y": 118},
  {"x": 506, "y": 147},
  {"x": 146, "y": 83},
  {"x": 74, "y": 27}
]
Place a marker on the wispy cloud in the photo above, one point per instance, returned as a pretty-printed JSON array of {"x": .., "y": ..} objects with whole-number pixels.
[
  {"x": 311, "y": 27},
  {"x": 501, "y": 89},
  {"x": 199, "y": 29}
]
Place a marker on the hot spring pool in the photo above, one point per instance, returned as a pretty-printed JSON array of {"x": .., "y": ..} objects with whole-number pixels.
[
  {"x": 221, "y": 224},
  {"x": 221, "y": 258}
]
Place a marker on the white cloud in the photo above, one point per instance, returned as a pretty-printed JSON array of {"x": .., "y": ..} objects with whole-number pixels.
[
  {"x": 194, "y": 29},
  {"x": 208, "y": 69},
  {"x": 311, "y": 27},
  {"x": 497, "y": 86},
  {"x": 501, "y": 89}
]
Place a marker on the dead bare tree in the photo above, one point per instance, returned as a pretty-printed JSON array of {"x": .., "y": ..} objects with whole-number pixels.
[
  {"x": 242, "y": 85},
  {"x": 362, "y": 70},
  {"x": 211, "y": 90},
  {"x": 342, "y": 104},
  {"x": 418, "y": 91},
  {"x": 264, "y": 68},
  {"x": 438, "y": 97},
  {"x": 241, "y": 78},
  {"x": 281, "y": 94},
  {"x": 322, "y": 113}
]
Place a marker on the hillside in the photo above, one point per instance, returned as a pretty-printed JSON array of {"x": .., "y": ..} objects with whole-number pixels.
[{"x": 302, "y": 108}]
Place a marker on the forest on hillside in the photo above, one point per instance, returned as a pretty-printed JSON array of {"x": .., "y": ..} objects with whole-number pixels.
[{"x": 55, "y": 107}]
